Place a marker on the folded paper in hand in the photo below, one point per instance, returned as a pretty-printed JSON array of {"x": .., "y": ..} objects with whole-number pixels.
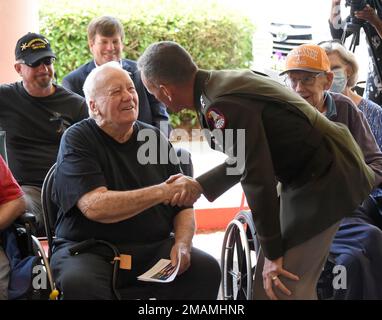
[{"x": 162, "y": 271}]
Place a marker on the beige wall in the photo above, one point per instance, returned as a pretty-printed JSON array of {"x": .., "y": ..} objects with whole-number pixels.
[{"x": 17, "y": 17}]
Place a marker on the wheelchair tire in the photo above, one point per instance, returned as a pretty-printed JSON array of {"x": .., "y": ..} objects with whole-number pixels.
[{"x": 237, "y": 261}]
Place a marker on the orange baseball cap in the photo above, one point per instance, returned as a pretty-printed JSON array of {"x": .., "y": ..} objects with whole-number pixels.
[{"x": 307, "y": 57}]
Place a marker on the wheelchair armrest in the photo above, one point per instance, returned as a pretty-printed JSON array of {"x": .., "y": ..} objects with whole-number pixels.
[
  {"x": 26, "y": 217},
  {"x": 27, "y": 221},
  {"x": 25, "y": 227}
]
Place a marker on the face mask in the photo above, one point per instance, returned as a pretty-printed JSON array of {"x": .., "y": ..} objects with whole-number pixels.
[{"x": 339, "y": 81}]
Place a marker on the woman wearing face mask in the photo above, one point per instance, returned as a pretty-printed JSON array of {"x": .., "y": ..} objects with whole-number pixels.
[{"x": 345, "y": 68}]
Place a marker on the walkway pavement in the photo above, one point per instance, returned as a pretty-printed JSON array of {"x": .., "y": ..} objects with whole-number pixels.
[
  {"x": 210, "y": 242},
  {"x": 211, "y": 217}
]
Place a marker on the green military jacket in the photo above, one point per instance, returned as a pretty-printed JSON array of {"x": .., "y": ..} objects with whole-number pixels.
[{"x": 326, "y": 187}]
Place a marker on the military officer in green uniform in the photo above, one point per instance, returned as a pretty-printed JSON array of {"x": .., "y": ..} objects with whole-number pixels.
[{"x": 319, "y": 167}]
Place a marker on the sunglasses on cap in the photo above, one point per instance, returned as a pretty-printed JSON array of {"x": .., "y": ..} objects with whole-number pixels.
[{"x": 47, "y": 61}]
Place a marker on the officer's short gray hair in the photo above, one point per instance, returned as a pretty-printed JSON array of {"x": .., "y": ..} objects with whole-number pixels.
[
  {"x": 90, "y": 84},
  {"x": 167, "y": 62}
]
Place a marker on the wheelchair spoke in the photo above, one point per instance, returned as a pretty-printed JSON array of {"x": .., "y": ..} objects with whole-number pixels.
[
  {"x": 236, "y": 260},
  {"x": 234, "y": 274}
]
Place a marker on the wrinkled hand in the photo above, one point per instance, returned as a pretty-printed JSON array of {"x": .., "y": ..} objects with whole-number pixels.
[
  {"x": 368, "y": 14},
  {"x": 184, "y": 190},
  {"x": 185, "y": 256},
  {"x": 271, "y": 272}
]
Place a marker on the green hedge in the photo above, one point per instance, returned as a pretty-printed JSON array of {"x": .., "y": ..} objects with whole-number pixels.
[{"x": 216, "y": 38}]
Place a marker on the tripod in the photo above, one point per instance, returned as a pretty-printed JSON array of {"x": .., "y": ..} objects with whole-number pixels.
[{"x": 353, "y": 27}]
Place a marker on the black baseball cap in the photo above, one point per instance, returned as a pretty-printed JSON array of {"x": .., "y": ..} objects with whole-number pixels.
[{"x": 33, "y": 47}]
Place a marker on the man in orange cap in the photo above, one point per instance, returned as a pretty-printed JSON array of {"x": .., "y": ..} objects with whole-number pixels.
[{"x": 308, "y": 74}]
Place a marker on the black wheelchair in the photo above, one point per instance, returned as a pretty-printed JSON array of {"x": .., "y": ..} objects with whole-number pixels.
[
  {"x": 238, "y": 258},
  {"x": 30, "y": 276},
  {"x": 27, "y": 255},
  {"x": 50, "y": 211},
  {"x": 29, "y": 263}
]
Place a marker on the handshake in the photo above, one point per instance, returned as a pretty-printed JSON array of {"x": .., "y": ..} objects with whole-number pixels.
[{"x": 180, "y": 190}]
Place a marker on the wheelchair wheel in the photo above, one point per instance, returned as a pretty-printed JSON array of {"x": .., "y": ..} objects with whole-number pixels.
[{"x": 238, "y": 259}]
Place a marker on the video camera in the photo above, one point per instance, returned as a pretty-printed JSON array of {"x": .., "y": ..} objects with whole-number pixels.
[
  {"x": 355, "y": 5},
  {"x": 353, "y": 26}
]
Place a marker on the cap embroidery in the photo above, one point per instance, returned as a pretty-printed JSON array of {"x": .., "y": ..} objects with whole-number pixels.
[{"x": 35, "y": 44}]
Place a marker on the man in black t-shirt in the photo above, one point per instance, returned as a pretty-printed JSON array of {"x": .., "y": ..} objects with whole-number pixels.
[
  {"x": 35, "y": 112},
  {"x": 110, "y": 184}
]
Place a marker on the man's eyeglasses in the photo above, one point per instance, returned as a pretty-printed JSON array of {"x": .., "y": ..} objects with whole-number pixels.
[
  {"x": 305, "y": 81},
  {"x": 47, "y": 61}
]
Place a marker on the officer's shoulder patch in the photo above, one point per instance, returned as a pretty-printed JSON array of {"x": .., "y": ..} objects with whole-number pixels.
[{"x": 216, "y": 119}]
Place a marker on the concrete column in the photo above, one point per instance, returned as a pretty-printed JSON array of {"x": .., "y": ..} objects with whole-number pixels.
[{"x": 17, "y": 17}]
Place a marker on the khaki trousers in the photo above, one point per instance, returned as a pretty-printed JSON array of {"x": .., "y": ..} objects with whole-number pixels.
[{"x": 306, "y": 261}]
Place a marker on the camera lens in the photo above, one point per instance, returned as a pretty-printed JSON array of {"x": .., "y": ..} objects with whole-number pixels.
[{"x": 356, "y": 5}]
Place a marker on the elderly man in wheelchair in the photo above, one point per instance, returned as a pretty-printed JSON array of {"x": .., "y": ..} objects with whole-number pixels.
[{"x": 111, "y": 190}]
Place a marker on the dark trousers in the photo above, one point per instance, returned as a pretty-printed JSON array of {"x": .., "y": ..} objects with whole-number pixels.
[
  {"x": 89, "y": 276},
  {"x": 358, "y": 247}
]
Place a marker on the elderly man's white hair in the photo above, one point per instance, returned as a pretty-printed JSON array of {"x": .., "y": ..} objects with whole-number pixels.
[{"x": 90, "y": 82}]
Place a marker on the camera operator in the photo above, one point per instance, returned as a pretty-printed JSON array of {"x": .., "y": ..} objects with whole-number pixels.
[{"x": 368, "y": 14}]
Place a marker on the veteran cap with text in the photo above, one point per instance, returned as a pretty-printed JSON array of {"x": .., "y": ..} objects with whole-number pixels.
[
  {"x": 33, "y": 47},
  {"x": 307, "y": 57}
]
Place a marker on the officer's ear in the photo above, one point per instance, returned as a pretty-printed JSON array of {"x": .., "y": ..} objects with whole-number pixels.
[{"x": 166, "y": 91}]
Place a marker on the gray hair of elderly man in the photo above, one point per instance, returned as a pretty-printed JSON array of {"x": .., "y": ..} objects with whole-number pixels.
[
  {"x": 166, "y": 62},
  {"x": 91, "y": 81}
]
